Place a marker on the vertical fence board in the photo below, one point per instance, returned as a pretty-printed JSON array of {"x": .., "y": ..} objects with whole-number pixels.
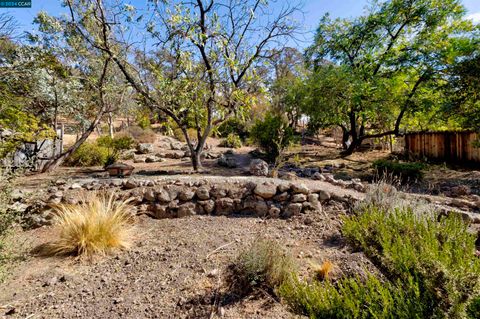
[{"x": 446, "y": 146}]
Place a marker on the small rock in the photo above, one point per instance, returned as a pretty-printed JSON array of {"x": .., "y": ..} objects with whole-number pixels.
[
  {"x": 225, "y": 206},
  {"x": 203, "y": 193},
  {"x": 300, "y": 189},
  {"x": 265, "y": 190},
  {"x": 186, "y": 195},
  {"x": 292, "y": 210},
  {"x": 289, "y": 176},
  {"x": 185, "y": 210},
  {"x": 208, "y": 206},
  {"x": 139, "y": 159},
  {"x": 75, "y": 186},
  {"x": 130, "y": 184},
  {"x": 145, "y": 148},
  {"x": 163, "y": 196},
  {"x": 318, "y": 176},
  {"x": 299, "y": 198},
  {"x": 149, "y": 196},
  {"x": 258, "y": 167}
]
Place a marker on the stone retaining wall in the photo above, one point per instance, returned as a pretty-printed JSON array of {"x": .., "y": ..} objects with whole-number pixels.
[{"x": 176, "y": 198}]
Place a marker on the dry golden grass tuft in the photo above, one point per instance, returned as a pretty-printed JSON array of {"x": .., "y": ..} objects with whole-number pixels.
[
  {"x": 96, "y": 226},
  {"x": 322, "y": 271}
]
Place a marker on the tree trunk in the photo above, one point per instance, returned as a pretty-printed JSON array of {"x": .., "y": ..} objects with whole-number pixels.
[
  {"x": 345, "y": 138},
  {"x": 196, "y": 162},
  {"x": 56, "y": 162},
  {"x": 354, "y": 145},
  {"x": 110, "y": 124}
]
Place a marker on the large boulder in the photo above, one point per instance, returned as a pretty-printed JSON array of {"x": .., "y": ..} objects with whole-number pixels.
[
  {"x": 227, "y": 160},
  {"x": 145, "y": 148},
  {"x": 176, "y": 154},
  {"x": 258, "y": 167}
]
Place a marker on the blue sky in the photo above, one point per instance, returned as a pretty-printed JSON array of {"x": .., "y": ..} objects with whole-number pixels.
[{"x": 313, "y": 11}]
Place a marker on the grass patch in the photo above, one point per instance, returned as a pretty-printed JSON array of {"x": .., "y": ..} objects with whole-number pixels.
[
  {"x": 261, "y": 265},
  {"x": 96, "y": 226},
  {"x": 406, "y": 172}
]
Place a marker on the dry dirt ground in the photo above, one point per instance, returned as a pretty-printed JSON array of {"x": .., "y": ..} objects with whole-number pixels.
[{"x": 177, "y": 268}]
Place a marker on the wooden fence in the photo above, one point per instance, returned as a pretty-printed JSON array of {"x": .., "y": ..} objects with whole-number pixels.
[{"x": 445, "y": 146}]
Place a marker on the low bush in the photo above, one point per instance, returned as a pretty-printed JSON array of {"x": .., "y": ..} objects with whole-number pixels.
[
  {"x": 438, "y": 254},
  {"x": 7, "y": 218},
  {"x": 385, "y": 196},
  {"x": 95, "y": 226},
  {"x": 88, "y": 154},
  {"x": 263, "y": 264},
  {"x": 272, "y": 134},
  {"x": 353, "y": 298},
  {"x": 115, "y": 146},
  {"x": 141, "y": 135},
  {"x": 233, "y": 126},
  {"x": 232, "y": 141},
  {"x": 473, "y": 310},
  {"x": 118, "y": 143},
  {"x": 178, "y": 134},
  {"x": 404, "y": 171}
]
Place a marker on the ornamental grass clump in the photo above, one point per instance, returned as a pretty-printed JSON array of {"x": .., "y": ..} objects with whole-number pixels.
[
  {"x": 264, "y": 265},
  {"x": 96, "y": 226}
]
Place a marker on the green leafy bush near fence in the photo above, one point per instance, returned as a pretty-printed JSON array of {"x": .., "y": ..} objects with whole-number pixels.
[{"x": 404, "y": 171}]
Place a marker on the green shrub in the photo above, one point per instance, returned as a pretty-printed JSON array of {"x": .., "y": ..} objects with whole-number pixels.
[
  {"x": 263, "y": 264},
  {"x": 438, "y": 254},
  {"x": 178, "y": 134},
  {"x": 88, "y": 154},
  {"x": 232, "y": 141},
  {"x": 233, "y": 126},
  {"x": 404, "y": 171},
  {"x": 473, "y": 310},
  {"x": 7, "y": 218},
  {"x": 118, "y": 143},
  {"x": 353, "y": 298},
  {"x": 141, "y": 135},
  {"x": 272, "y": 134}
]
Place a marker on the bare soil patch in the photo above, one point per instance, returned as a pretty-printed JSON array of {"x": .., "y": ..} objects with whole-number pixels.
[{"x": 176, "y": 269}]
